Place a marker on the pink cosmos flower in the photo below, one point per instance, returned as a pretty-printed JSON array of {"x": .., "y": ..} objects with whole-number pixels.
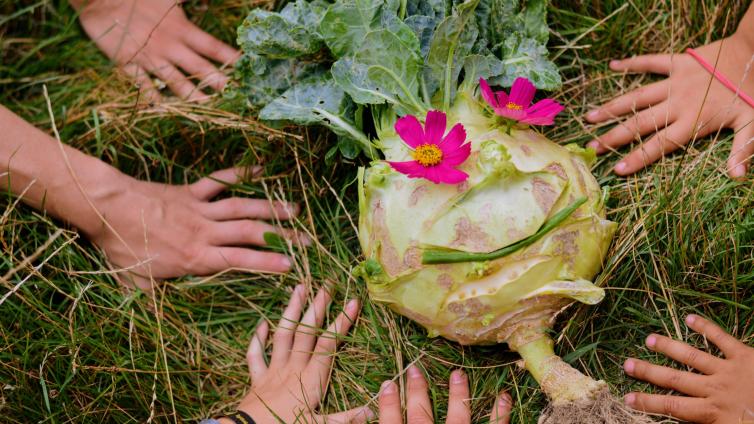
[
  {"x": 435, "y": 156},
  {"x": 516, "y": 106}
]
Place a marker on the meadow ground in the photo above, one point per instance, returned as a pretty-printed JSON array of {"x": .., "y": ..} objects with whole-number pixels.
[{"x": 74, "y": 347}]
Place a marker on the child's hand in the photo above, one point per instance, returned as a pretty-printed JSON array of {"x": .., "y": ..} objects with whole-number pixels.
[
  {"x": 419, "y": 409},
  {"x": 292, "y": 386},
  {"x": 722, "y": 394},
  {"x": 155, "y": 37},
  {"x": 680, "y": 108}
]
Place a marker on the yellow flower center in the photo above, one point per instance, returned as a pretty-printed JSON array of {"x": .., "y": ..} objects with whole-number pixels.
[
  {"x": 514, "y": 106},
  {"x": 427, "y": 154}
]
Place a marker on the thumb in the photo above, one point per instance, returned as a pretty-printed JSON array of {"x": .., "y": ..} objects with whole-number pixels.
[
  {"x": 501, "y": 411},
  {"x": 358, "y": 415},
  {"x": 742, "y": 150}
]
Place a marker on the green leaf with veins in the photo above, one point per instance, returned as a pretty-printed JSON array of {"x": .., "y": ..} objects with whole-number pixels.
[
  {"x": 481, "y": 66},
  {"x": 526, "y": 57},
  {"x": 290, "y": 33},
  {"x": 345, "y": 24},
  {"x": 385, "y": 69},
  {"x": 317, "y": 101},
  {"x": 451, "y": 43},
  {"x": 261, "y": 80}
]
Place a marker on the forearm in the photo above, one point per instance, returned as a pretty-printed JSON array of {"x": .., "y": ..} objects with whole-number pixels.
[
  {"x": 746, "y": 26},
  {"x": 54, "y": 177}
]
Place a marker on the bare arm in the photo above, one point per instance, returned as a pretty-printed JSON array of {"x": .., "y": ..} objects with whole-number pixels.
[
  {"x": 153, "y": 230},
  {"x": 35, "y": 164}
]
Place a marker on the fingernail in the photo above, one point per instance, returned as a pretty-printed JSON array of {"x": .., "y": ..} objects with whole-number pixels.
[
  {"x": 370, "y": 415},
  {"x": 352, "y": 306},
  {"x": 691, "y": 319},
  {"x": 593, "y": 114},
  {"x": 413, "y": 372},
  {"x": 614, "y": 63},
  {"x": 651, "y": 340},
  {"x": 629, "y": 366},
  {"x": 630, "y": 399},
  {"x": 286, "y": 263},
  {"x": 620, "y": 167},
  {"x": 457, "y": 377},
  {"x": 298, "y": 289},
  {"x": 593, "y": 144},
  {"x": 388, "y": 388},
  {"x": 739, "y": 171}
]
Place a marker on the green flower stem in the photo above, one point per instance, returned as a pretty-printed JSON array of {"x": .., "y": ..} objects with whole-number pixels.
[
  {"x": 437, "y": 256},
  {"x": 338, "y": 122}
]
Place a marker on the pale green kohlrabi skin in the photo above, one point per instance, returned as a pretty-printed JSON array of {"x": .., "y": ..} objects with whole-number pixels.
[{"x": 515, "y": 183}]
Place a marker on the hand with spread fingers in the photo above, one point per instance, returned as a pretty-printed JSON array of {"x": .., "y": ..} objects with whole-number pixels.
[
  {"x": 689, "y": 104},
  {"x": 721, "y": 393},
  {"x": 154, "y": 37},
  {"x": 291, "y": 387},
  {"x": 419, "y": 408},
  {"x": 159, "y": 231}
]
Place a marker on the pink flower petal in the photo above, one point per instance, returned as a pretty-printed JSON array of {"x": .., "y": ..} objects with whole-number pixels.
[
  {"x": 522, "y": 92},
  {"x": 411, "y": 168},
  {"x": 487, "y": 93},
  {"x": 543, "y": 112},
  {"x": 434, "y": 127},
  {"x": 410, "y": 130},
  {"x": 434, "y": 174},
  {"x": 450, "y": 175},
  {"x": 457, "y": 156},
  {"x": 456, "y": 136},
  {"x": 502, "y": 98},
  {"x": 514, "y": 114}
]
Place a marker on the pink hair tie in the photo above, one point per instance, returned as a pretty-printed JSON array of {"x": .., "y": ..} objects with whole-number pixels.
[{"x": 720, "y": 77}]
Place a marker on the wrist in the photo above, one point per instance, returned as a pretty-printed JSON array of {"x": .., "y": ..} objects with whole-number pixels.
[{"x": 83, "y": 198}]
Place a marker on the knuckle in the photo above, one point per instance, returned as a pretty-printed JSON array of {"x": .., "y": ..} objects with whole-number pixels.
[
  {"x": 670, "y": 405},
  {"x": 691, "y": 356},
  {"x": 675, "y": 379}
]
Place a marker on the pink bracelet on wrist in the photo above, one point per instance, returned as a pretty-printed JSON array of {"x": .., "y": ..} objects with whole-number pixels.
[{"x": 720, "y": 77}]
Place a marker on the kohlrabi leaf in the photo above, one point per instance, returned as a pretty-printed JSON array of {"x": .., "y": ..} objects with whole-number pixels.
[
  {"x": 290, "y": 33},
  {"x": 317, "y": 101},
  {"x": 346, "y": 23},
  {"x": 261, "y": 80},
  {"x": 478, "y": 66},
  {"x": 424, "y": 28},
  {"x": 451, "y": 43},
  {"x": 526, "y": 57},
  {"x": 385, "y": 68}
]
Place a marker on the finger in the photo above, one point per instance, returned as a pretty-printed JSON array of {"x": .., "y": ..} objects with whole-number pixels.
[
  {"x": 633, "y": 101},
  {"x": 684, "y": 382},
  {"x": 255, "y": 353},
  {"x": 459, "y": 411},
  {"x": 683, "y": 408},
  {"x": 198, "y": 67},
  {"x": 178, "y": 83},
  {"x": 654, "y": 63},
  {"x": 240, "y": 208},
  {"x": 245, "y": 232},
  {"x": 210, "y": 47},
  {"x": 742, "y": 151},
  {"x": 501, "y": 412},
  {"x": 218, "y": 259},
  {"x": 354, "y": 416},
  {"x": 683, "y": 353},
  {"x": 284, "y": 334},
  {"x": 419, "y": 410},
  {"x": 147, "y": 90},
  {"x": 310, "y": 325},
  {"x": 647, "y": 121},
  {"x": 727, "y": 344},
  {"x": 318, "y": 369},
  {"x": 390, "y": 404},
  {"x": 218, "y": 181},
  {"x": 663, "y": 142}
]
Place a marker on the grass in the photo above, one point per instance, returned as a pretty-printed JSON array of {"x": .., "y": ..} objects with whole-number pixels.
[{"x": 75, "y": 348}]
